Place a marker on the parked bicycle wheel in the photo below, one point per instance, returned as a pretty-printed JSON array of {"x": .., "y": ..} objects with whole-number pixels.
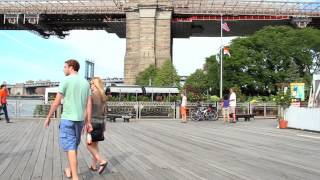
[
  {"x": 197, "y": 116},
  {"x": 193, "y": 116},
  {"x": 213, "y": 116}
]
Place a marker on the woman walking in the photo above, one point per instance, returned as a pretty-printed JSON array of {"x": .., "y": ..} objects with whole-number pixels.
[{"x": 99, "y": 100}]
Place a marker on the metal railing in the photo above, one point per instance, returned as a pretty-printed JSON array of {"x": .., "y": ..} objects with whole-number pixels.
[
  {"x": 248, "y": 7},
  {"x": 235, "y": 7},
  {"x": 30, "y": 108},
  {"x": 24, "y": 108},
  {"x": 157, "y": 110},
  {"x": 123, "y": 108},
  {"x": 265, "y": 110},
  {"x": 260, "y": 110},
  {"x": 61, "y": 7},
  {"x": 151, "y": 110}
]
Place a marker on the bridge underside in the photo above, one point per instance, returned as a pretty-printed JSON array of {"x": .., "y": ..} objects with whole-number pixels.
[
  {"x": 209, "y": 28},
  {"x": 60, "y": 25}
]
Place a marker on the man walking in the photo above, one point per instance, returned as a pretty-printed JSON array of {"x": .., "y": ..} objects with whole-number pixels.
[
  {"x": 233, "y": 104},
  {"x": 4, "y": 93},
  {"x": 77, "y": 107}
]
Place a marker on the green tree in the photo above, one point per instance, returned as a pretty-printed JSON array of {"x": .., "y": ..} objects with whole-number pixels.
[
  {"x": 272, "y": 55},
  {"x": 145, "y": 76},
  {"x": 197, "y": 85},
  {"x": 167, "y": 75},
  {"x": 262, "y": 61},
  {"x": 198, "y": 80}
]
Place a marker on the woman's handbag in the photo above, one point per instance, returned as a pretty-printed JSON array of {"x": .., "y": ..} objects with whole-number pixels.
[{"x": 98, "y": 130}]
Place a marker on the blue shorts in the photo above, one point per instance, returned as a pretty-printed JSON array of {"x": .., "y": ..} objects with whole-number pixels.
[{"x": 70, "y": 134}]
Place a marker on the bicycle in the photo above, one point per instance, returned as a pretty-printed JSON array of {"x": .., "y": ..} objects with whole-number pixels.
[{"x": 205, "y": 113}]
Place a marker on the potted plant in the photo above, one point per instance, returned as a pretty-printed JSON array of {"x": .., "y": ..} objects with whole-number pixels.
[
  {"x": 283, "y": 124},
  {"x": 283, "y": 101}
]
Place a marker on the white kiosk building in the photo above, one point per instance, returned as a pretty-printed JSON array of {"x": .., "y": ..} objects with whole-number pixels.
[{"x": 307, "y": 118}]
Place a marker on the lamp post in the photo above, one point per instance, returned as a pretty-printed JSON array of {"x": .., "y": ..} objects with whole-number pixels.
[
  {"x": 221, "y": 57},
  {"x": 136, "y": 95}
]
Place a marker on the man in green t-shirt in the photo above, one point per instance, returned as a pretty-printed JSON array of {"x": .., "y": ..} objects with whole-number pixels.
[{"x": 77, "y": 107}]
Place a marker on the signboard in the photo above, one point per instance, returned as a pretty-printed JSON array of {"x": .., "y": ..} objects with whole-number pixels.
[{"x": 297, "y": 91}]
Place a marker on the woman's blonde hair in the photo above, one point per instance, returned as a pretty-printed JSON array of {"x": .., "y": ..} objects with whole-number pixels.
[{"x": 97, "y": 82}]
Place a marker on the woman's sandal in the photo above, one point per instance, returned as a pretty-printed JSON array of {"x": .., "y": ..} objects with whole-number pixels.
[
  {"x": 103, "y": 167},
  {"x": 65, "y": 173},
  {"x": 93, "y": 169}
]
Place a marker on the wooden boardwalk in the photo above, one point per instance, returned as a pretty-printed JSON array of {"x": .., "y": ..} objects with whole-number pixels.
[{"x": 166, "y": 150}]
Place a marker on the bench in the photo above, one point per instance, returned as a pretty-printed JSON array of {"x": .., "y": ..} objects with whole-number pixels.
[
  {"x": 247, "y": 117},
  {"x": 113, "y": 117}
]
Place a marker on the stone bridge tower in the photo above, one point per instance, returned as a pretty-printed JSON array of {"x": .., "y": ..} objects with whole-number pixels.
[{"x": 148, "y": 35}]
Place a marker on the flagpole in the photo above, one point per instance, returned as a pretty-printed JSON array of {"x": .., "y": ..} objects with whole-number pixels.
[{"x": 221, "y": 57}]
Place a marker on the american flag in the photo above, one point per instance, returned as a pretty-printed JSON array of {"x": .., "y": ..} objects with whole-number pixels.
[{"x": 225, "y": 27}]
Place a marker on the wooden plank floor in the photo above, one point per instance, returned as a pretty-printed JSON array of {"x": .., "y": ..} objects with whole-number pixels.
[{"x": 166, "y": 150}]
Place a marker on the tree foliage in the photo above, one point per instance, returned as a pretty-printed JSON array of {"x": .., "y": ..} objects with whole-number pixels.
[
  {"x": 198, "y": 80},
  {"x": 271, "y": 56},
  {"x": 146, "y": 76},
  {"x": 212, "y": 68},
  {"x": 167, "y": 75}
]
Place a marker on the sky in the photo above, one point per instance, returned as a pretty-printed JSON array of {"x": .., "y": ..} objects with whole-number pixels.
[{"x": 27, "y": 56}]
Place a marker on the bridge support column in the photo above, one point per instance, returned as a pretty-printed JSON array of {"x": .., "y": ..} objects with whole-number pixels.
[{"x": 149, "y": 39}]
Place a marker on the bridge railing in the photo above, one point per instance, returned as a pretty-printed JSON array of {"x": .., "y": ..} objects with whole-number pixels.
[
  {"x": 236, "y": 7},
  {"x": 61, "y": 7},
  {"x": 252, "y": 7}
]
